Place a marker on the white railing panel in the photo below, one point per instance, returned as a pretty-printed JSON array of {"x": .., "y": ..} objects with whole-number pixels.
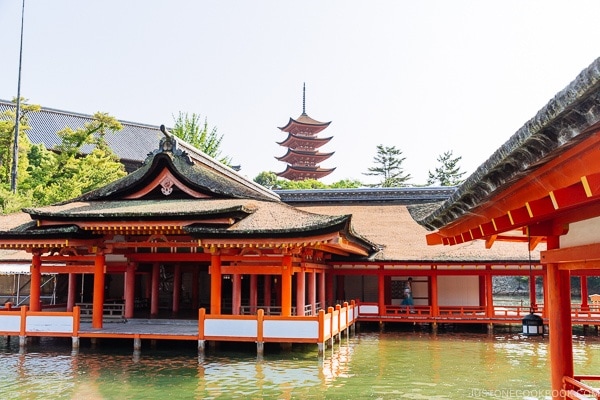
[
  {"x": 368, "y": 309},
  {"x": 343, "y": 322},
  {"x": 291, "y": 329},
  {"x": 230, "y": 327},
  {"x": 10, "y": 323},
  {"x": 45, "y": 323},
  {"x": 351, "y": 315}
]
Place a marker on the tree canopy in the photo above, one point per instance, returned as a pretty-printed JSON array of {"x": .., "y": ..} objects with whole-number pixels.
[
  {"x": 269, "y": 180},
  {"x": 388, "y": 166},
  {"x": 448, "y": 173},
  {"x": 47, "y": 177},
  {"x": 189, "y": 128}
]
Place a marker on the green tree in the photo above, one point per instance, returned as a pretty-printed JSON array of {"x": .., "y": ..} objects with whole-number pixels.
[
  {"x": 189, "y": 128},
  {"x": 7, "y": 133},
  {"x": 267, "y": 179},
  {"x": 67, "y": 172},
  {"x": 448, "y": 173},
  {"x": 388, "y": 165}
]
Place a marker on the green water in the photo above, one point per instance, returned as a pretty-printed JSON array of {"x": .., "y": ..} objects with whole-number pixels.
[{"x": 370, "y": 365}]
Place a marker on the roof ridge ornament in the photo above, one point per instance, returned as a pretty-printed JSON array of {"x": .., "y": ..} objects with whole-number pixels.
[{"x": 168, "y": 144}]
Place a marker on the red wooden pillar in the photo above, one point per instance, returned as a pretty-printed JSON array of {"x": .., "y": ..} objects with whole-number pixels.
[
  {"x": 489, "y": 292},
  {"x": 267, "y": 293},
  {"x": 72, "y": 291},
  {"x": 559, "y": 315},
  {"x": 195, "y": 289},
  {"x": 435, "y": 307},
  {"x": 381, "y": 290},
  {"x": 322, "y": 291},
  {"x": 546, "y": 296},
  {"x": 300, "y": 292},
  {"x": 584, "y": 293},
  {"x": 253, "y": 294},
  {"x": 154, "y": 290},
  {"x": 98, "y": 296},
  {"x": 312, "y": 291},
  {"x": 129, "y": 290},
  {"x": 236, "y": 293},
  {"x": 35, "y": 291},
  {"x": 215, "y": 284},
  {"x": 286, "y": 286},
  {"x": 176, "y": 287},
  {"x": 329, "y": 290},
  {"x": 341, "y": 289},
  {"x": 532, "y": 292}
]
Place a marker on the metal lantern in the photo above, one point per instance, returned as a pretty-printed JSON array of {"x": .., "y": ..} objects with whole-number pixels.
[{"x": 533, "y": 325}]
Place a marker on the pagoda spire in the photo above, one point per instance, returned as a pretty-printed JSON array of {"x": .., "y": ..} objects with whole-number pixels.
[{"x": 304, "y": 98}]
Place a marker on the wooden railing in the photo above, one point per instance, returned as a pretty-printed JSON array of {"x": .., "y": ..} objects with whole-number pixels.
[
  {"x": 110, "y": 311},
  {"x": 575, "y": 389}
]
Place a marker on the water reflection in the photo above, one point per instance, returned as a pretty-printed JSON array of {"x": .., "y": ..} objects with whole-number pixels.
[{"x": 392, "y": 365}]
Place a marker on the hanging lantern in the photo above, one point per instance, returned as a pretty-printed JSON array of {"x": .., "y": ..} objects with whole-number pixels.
[{"x": 533, "y": 325}]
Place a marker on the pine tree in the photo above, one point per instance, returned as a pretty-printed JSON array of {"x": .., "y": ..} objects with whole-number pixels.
[
  {"x": 388, "y": 161},
  {"x": 448, "y": 173}
]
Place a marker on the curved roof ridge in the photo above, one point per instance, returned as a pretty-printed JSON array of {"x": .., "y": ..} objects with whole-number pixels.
[{"x": 543, "y": 133}]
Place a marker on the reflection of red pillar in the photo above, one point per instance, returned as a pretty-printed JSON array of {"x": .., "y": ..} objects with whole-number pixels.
[
  {"x": 72, "y": 291},
  {"x": 98, "y": 297},
  {"x": 286, "y": 286},
  {"x": 215, "y": 284},
  {"x": 176, "y": 287},
  {"x": 154, "y": 291},
  {"x": 559, "y": 310},
  {"x": 36, "y": 283},
  {"x": 236, "y": 294},
  {"x": 129, "y": 290},
  {"x": 300, "y": 292}
]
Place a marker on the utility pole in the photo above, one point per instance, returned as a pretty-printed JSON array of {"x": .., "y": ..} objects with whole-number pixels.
[{"x": 15, "y": 166}]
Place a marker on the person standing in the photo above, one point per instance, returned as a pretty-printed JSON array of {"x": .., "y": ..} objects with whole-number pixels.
[{"x": 408, "y": 298}]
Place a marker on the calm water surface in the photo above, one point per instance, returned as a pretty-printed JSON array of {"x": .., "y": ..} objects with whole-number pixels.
[{"x": 372, "y": 365}]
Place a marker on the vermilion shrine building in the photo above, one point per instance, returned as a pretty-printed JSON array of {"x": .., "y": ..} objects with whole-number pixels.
[{"x": 186, "y": 226}]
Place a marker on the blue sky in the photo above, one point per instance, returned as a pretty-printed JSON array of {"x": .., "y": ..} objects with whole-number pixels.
[{"x": 424, "y": 76}]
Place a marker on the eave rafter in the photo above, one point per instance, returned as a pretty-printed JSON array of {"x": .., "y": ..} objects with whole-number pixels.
[
  {"x": 26, "y": 244},
  {"x": 583, "y": 192}
]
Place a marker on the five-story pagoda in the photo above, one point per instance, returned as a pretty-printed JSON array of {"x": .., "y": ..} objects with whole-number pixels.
[{"x": 302, "y": 142}]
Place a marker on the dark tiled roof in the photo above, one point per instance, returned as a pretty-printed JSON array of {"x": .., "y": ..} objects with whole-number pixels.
[
  {"x": 405, "y": 195},
  {"x": 212, "y": 180},
  {"x": 132, "y": 143},
  {"x": 561, "y": 124}
]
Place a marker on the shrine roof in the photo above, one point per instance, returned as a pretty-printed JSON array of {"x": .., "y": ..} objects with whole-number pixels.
[
  {"x": 562, "y": 123},
  {"x": 201, "y": 173},
  {"x": 304, "y": 119}
]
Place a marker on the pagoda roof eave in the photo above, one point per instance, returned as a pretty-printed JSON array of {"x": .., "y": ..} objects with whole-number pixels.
[{"x": 305, "y": 120}]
